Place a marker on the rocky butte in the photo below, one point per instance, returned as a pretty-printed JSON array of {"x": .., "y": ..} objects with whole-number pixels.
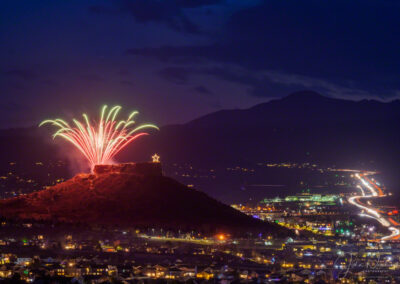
[{"x": 131, "y": 195}]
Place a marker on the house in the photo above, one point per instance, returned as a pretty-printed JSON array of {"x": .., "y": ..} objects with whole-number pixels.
[{"x": 6, "y": 271}]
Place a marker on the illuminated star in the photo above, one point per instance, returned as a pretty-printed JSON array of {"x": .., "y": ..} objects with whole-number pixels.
[{"x": 156, "y": 158}]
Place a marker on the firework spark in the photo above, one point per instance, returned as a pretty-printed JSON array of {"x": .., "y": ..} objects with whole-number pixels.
[{"x": 100, "y": 141}]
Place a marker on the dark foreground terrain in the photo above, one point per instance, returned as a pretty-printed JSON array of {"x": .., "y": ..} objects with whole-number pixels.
[{"x": 128, "y": 198}]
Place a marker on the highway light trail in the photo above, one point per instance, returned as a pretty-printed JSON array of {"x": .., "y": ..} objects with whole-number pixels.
[
  {"x": 395, "y": 234},
  {"x": 370, "y": 211}
]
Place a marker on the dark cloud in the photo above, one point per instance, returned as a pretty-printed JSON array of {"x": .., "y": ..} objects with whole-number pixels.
[
  {"x": 187, "y": 54},
  {"x": 182, "y": 75},
  {"x": 261, "y": 84},
  {"x": 168, "y": 12},
  {"x": 197, "y": 3},
  {"x": 23, "y": 74},
  {"x": 261, "y": 48},
  {"x": 203, "y": 90},
  {"x": 342, "y": 43},
  {"x": 177, "y": 75},
  {"x": 160, "y": 11}
]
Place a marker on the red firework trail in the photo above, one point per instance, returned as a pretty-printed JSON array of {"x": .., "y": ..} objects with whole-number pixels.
[{"x": 101, "y": 141}]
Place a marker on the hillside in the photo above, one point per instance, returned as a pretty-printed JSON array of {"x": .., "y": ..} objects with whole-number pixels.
[{"x": 131, "y": 198}]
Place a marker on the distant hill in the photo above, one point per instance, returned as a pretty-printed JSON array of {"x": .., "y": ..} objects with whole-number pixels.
[
  {"x": 304, "y": 126},
  {"x": 132, "y": 198}
]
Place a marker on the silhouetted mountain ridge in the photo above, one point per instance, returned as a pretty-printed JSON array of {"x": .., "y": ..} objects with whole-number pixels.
[
  {"x": 304, "y": 126},
  {"x": 303, "y": 107}
]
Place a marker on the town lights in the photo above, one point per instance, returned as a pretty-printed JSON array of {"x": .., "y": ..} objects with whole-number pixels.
[{"x": 221, "y": 237}]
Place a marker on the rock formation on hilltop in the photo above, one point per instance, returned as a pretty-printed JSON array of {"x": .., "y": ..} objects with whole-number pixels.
[{"x": 131, "y": 195}]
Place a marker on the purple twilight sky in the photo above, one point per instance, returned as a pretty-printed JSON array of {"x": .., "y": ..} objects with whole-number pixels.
[{"x": 177, "y": 60}]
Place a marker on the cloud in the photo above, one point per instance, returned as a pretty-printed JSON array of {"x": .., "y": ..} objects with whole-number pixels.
[
  {"x": 165, "y": 12},
  {"x": 190, "y": 53},
  {"x": 203, "y": 90},
  {"x": 327, "y": 87},
  {"x": 265, "y": 83},
  {"x": 197, "y": 3},
  {"x": 169, "y": 12},
  {"x": 177, "y": 75},
  {"x": 301, "y": 43}
]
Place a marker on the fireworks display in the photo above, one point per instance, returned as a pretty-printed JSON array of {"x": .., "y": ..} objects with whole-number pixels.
[{"x": 100, "y": 141}]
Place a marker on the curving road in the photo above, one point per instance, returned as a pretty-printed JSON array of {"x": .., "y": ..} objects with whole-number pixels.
[{"x": 369, "y": 210}]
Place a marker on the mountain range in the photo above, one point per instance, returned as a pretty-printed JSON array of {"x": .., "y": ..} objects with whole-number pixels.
[{"x": 303, "y": 127}]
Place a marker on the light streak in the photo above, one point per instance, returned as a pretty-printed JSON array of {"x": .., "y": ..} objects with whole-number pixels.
[
  {"x": 353, "y": 200},
  {"x": 100, "y": 141},
  {"x": 362, "y": 190},
  {"x": 395, "y": 232},
  {"x": 376, "y": 191}
]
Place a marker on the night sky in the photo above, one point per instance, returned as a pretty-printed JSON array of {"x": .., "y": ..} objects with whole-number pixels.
[{"x": 177, "y": 60}]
